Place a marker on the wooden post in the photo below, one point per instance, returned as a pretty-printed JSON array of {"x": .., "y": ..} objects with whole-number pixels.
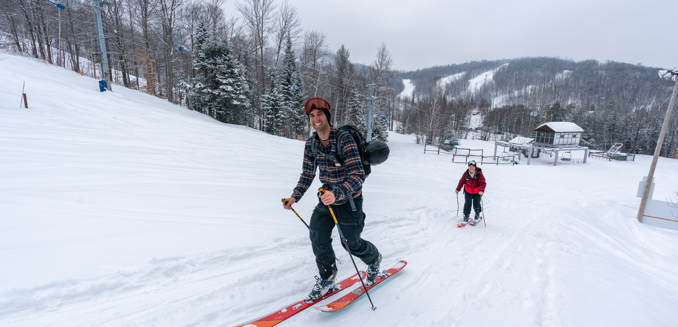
[
  {"x": 25, "y": 101},
  {"x": 657, "y": 150}
]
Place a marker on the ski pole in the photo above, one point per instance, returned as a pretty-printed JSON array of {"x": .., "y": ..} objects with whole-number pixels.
[
  {"x": 284, "y": 201},
  {"x": 343, "y": 240},
  {"x": 482, "y": 209},
  {"x": 458, "y": 204}
]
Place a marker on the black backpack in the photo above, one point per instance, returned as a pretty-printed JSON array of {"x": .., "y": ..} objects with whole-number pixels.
[{"x": 371, "y": 153}]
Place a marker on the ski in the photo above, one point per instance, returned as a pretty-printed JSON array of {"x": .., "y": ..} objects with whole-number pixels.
[
  {"x": 356, "y": 293},
  {"x": 289, "y": 311},
  {"x": 473, "y": 222},
  {"x": 462, "y": 223}
]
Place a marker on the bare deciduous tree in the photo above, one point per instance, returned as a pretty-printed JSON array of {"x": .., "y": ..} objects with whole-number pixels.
[
  {"x": 287, "y": 25},
  {"x": 168, "y": 16}
]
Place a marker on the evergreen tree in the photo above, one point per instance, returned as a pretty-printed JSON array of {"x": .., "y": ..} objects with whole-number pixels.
[
  {"x": 251, "y": 116},
  {"x": 233, "y": 88},
  {"x": 220, "y": 88},
  {"x": 357, "y": 112},
  {"x": 291, "y": 91},
  {"x": 448, "y": 139},
  {"x": 589, "y": 126},
  {"x": 271, "y": 104},
  {"x": 201, "y": 94},
  {"x": 379, "y": 125}
]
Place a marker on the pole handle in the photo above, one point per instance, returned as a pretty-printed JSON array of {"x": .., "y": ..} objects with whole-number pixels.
[
  {"x": 284, "y": 201},
  {"x": 322, "y": 191}
]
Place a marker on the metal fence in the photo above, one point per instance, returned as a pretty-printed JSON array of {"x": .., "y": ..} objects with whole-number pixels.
[{"x": 477, "y": 154}]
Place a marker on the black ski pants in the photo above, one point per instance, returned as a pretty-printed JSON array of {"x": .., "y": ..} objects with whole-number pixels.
[
  {"x": 351, "y": 223},
  {"x": 471, "y": 198}
]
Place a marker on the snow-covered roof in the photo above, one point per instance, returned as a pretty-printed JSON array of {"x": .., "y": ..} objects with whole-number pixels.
[
  {"x": 521, "y": 140},
  {"x": 562, "y": 127}
]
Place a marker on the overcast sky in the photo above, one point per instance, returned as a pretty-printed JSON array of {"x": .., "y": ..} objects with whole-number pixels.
[{"x": 425, "y": 33}]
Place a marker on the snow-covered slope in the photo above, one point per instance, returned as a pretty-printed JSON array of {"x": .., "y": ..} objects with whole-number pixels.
[
  {"x": 120, "y": 209},
  {"x": 409, "y": 88},
  {"x": 442, "y": 83},
  {"x": 482, "y": 79}
]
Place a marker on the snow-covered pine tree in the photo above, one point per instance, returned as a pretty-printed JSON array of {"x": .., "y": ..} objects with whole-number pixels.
[
  {"x": 244, "y": 92},
  {"x": 201, "y": 93},
  {"x": 588, "y": 123},
  {"x": 379, "y": 125},
  {"x": 251, "y": 116},
  {"x": 220, "y": 88},
  {"x": 271, "y": 103},
  {"x": 448, "y": 139},
  {"x": 233, "y": 87},
  {"x": 291, "y": 90},
  {"x": 357, "y": 112}
]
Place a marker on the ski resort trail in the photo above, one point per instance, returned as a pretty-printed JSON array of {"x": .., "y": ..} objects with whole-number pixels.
[{"x": 121, "y": 209}]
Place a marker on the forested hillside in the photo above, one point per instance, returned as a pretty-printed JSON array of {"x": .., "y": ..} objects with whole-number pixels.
[
  {"x": 249, "y": 67},
  {"x": 613, "y": 102},
  {"x": 257, "y": 65}
]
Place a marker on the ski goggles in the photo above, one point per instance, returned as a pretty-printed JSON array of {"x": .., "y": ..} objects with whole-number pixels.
[{"x": 315, "y": 103}]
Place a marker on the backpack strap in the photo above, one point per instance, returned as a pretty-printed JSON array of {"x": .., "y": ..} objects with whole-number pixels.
[
  {"x": 332, "y": 156},
  {"x": 335, "y": 156},
  {"x": 340, "y": 134}
]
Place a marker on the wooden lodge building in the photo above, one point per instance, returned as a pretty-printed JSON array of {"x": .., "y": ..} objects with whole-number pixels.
[
  {"x": 558, "y": 134},
  {"x": 559, "y": 138}
]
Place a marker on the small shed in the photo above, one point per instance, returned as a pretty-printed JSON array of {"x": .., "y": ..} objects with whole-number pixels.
[{"x": 558, "y": 133}]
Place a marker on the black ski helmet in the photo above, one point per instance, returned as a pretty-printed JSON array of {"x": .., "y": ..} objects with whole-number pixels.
[{"x": 376, "y": 152}]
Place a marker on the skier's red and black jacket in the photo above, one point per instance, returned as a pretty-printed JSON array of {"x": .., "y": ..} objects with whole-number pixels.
[{"x": 473, "y": 184}]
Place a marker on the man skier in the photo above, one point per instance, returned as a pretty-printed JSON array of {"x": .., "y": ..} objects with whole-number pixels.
[
  {"x": 473, "y": 182},
  {"x": 342, "y": 174}
]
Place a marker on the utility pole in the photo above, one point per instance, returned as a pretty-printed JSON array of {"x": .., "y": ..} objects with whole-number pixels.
[
  {"x": 370, "y": 91},
  {"x": 60, "y": 52},
  {"x": 657, "y": 150},
  {"x": 102, "y": 42}
]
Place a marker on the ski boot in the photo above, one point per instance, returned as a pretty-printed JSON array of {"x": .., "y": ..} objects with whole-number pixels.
[
  {"x": 373, "y": 271},
  {"x": 463, "y": 221},
  {"x": 476, "y": 219},
  {"x": 322, "y": 287}
]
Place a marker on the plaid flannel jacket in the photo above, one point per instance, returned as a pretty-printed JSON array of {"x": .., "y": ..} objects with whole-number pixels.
[{"x": 345, "y": 181}]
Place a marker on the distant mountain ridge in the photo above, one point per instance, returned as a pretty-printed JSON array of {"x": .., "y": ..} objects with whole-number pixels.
[
  {"x": 542, "y": 81},
  {"x": 614, "y": 102}
]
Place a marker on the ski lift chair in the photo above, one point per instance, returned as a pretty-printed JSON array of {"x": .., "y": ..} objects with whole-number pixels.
[{"x": 567, "y": 156}]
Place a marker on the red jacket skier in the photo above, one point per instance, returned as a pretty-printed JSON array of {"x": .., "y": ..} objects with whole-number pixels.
[{"x": 473, "y": 182}]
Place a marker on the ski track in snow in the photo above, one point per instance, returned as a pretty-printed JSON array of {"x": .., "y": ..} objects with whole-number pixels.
[{"x": 124, "y": 210}]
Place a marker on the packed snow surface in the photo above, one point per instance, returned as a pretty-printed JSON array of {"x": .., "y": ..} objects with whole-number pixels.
[
  {"x": 449, "y": 79},
  {"x": 121, "y": 209},
  {"x": 409, "y": 88},
  {"x": 484, "y": 78}
]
